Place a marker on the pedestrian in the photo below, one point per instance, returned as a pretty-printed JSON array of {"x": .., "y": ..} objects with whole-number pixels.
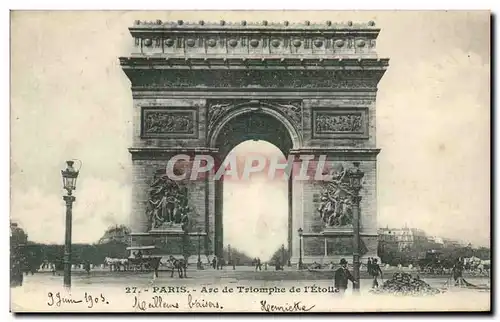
[
  {"x": 214, "y": 262},
  {"x": 457, "y": 271},
  {"x": 156, "y": 267},
  {"x": 369, "y": 265},
  {"x": 87, "y": 267},
  {"x": 342, "y": 276},
  {"x": 374, "y": 272},
  {"x": 219, "y": 263}
]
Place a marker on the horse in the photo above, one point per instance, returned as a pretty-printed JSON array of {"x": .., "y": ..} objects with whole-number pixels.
[
  {"x": 111, "y": 262},
  {"x": 484, "y": 267},
  {"x": 178, "y": 264},
  {"x": 116, "y": 263}
]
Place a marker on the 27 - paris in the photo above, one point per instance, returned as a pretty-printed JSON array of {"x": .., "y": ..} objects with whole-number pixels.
[{"x": 233, "y": 289}]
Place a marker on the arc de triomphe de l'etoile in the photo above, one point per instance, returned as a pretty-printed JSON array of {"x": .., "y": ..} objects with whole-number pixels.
[{"x": 202, "y": 88}]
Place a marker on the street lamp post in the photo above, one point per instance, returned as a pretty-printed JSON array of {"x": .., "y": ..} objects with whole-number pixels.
[
  {"x": 300, "y": 231},
  {"x": 199, "y": 265},
  {"x": 283, "y": 255},
  {"x": 355, "y": 176},
  {"x": 69, "y": 182}
]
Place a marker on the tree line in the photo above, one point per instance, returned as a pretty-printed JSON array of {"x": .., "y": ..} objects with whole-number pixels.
[
  {"x": 35, "y": 253},
  {"x": 390, "y": 253}
]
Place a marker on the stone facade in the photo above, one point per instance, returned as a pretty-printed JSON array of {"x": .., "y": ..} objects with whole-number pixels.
[
  {"x": 310, "y": 89},
  {"x": 405, "y": 238}
]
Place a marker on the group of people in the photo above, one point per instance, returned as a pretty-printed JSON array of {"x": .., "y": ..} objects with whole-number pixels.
[
  {"x": 217, "y": 263},
  {"x": 257, "y": 264},
  {"x": 343, "y": 275}
]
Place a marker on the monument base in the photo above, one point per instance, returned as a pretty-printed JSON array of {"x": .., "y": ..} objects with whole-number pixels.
[
  {"x": 338, "y": 231},
  {"x": 168, "y": 229},
  {"x": 171, "y": 240},
  {"x": 326, "y": 261}
]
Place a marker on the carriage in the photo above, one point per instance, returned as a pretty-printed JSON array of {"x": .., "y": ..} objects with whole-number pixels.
[
  {"x": 143, "y": 264},
  {"x": 148, "y": 264},
  {"x": 477, "y": 267}
]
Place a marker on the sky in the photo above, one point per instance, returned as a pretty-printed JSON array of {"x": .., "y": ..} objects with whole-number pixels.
[{"x": 71, "y": 100}]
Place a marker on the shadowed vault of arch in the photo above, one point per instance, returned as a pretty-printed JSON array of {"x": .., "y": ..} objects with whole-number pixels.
[
  {"x": 253, "y": 126},
  {"x": 254, "y": 121}
]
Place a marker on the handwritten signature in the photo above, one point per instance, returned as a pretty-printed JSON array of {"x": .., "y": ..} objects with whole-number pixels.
[
  {"x": 157, "y": 302},
  {"x": 90, "y": 300},
  {"x": 295, "y": 307}
]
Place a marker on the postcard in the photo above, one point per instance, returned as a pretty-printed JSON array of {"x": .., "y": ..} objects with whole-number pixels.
[{"x": 250, "y": 161}]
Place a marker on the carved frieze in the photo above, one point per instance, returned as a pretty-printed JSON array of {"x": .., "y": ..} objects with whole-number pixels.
[
  {"x": 169, "y": 122},
  {"x": 254, "y": 78},
  {"x": 340, "y": 123}
]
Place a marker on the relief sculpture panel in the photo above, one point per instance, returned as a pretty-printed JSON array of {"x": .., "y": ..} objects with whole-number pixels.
[
  {"x": 169, "y": 123},
  {"x": 348, "y": 123},
  {"x": 292, "y": 110},
  {"x": 328, "y": 123},
  {"x": 337, "y": 198},
  {"x": 216, "y": 110},
  {"x": 168, "y": 206}
]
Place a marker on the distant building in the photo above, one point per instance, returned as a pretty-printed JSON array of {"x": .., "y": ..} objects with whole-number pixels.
[
  {"x": 405, "y": 238},
  {"x": 448, "y": 242},
  {"x": 118, "y": 233},
  {"x": 436, "y": 240},
  {"x": 17, "y": 235}
]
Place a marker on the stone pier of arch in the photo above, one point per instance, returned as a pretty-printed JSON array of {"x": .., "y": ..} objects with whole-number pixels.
[{"x": 309, "y": 89}]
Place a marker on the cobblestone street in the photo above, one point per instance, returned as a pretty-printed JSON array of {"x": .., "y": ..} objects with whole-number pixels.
[{"x": 122, "y": 289}]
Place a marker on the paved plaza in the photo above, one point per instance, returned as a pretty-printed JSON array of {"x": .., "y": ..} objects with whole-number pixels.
[{"x": 122, "y": 289}]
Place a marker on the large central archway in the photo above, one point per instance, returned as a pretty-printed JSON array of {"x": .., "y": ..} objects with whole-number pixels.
[
  {"x": 250, "y": 121},
  {"x": 255, "y": 207}
]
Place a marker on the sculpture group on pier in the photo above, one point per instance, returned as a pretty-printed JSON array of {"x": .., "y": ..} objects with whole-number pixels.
[
  {"x": 336, "y": 200},
  {"x": 168, "y": 202}
]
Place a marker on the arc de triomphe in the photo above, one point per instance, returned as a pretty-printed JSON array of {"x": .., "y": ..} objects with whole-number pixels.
[{"x": 203, "y": 88}]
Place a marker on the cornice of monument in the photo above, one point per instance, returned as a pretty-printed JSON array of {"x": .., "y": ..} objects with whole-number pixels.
[
  {"x": 256, "y": 61},
  {"x": 255, "y": 39},
  {"x": 139, "y": 153},
  {"x": 336, "y": 151},
  {"x": 262, "y": 26},
  {"x": 179, "y": 54}
]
